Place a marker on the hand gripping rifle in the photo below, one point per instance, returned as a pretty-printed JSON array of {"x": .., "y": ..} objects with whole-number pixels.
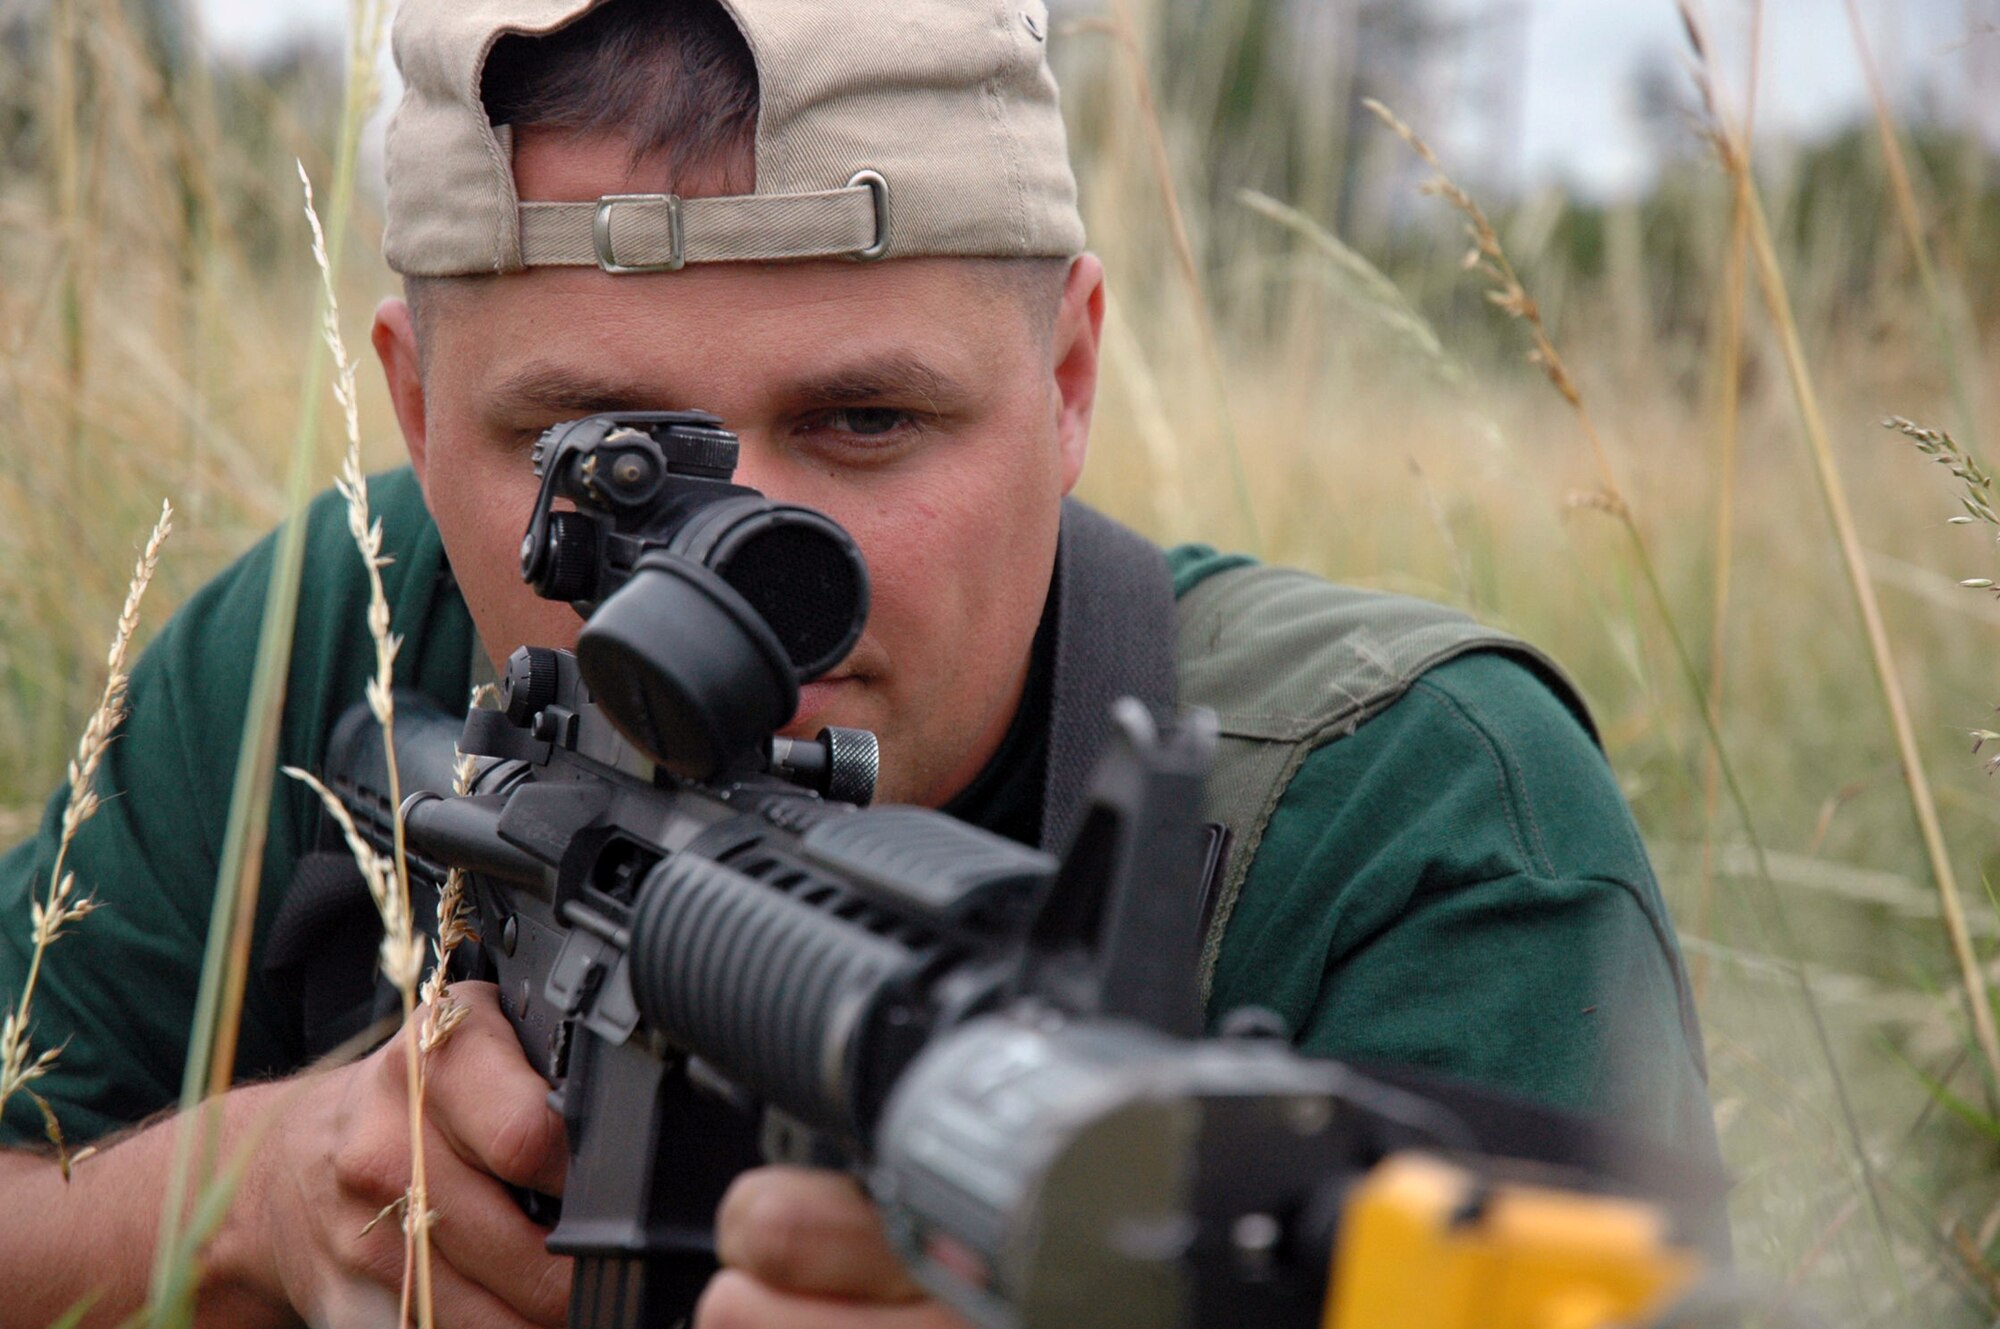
[{"x": 714, "y": 954}]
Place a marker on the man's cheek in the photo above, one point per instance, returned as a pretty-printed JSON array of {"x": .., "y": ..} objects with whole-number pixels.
[
  {"x": 482, "y": 511},
  {"x": 965, "y": 518}
]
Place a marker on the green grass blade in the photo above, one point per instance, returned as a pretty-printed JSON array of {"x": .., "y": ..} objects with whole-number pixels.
[{"x": 226, "y": 960}]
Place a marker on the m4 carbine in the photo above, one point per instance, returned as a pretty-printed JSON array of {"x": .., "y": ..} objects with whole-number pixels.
[{"x": 715, "y": 956}]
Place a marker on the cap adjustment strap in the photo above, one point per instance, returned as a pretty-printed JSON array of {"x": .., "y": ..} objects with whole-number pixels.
[{"x": 664, "y": 232}]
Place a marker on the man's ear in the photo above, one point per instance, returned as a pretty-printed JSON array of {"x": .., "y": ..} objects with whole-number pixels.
[
  {"x": 1074, "y": 349},
  {"x": 395, "y": 339}
]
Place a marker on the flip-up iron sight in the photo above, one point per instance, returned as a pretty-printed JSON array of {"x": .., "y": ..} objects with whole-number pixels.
[{"x": 707, "y": 603}]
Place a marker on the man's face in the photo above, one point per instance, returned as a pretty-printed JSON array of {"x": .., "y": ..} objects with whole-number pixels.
[{"x": 919, "y": 405}]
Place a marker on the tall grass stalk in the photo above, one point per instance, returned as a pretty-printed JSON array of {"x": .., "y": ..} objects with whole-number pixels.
[
  {"x": 1509, "y": 294},
  {"x": 72, "y": 297},
  {"x": 1951, "y": 338},
  {"x": 402, "y": 956},
  {"x": 173, "y": 1302},
  {"x": 1833, "y": 492},
  {"x": 442, "y": 1011},
  {"x": 1370, "y": 289},
  {"x": 1729, "y": 422},
  {"x": 401, "y": 960},
  {"x": 20, "y": 1066},
  {"x": 212, "y": 1041},
  {"x": 196, "y": 133},
  {"x": 1125, "y": 33}
]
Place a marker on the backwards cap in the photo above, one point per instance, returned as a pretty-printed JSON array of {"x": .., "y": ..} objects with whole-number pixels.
[{"x": 887, "y": 128}]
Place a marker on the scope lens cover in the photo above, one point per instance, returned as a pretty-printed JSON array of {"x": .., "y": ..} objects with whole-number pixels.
[
  {"x": 798, "y": 569},
  {"x": 685, "y": 667}
]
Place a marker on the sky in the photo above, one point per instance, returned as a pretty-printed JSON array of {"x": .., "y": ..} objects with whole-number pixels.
[
  {"x": 1574, "y": 123},
  {"x": 1579, "y": 123}
]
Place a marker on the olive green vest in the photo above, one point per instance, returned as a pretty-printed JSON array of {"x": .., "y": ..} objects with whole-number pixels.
[{"x": 1289, "y": 662}]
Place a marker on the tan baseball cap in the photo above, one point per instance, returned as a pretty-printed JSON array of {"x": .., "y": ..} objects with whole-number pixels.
[{"x": 887, "y": 128}]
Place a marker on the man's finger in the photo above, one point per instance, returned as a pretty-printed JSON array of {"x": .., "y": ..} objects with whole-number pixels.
[
  {"x": 812, "y": 1232},
  {"x": 480, "y": 1232},
  {"x": 462, "y": 1304},
  {"x": 735, "y": 1300},
  {"x": 490, "y": 1105}
]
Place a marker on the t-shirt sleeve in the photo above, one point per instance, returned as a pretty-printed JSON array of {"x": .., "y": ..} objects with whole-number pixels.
[
  {"x": 1459, "y": 887},
  {"x": 116, "y": 994}
]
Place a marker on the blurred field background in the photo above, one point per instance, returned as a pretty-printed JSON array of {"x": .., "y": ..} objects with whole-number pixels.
[{"x": 1297, "y": 365}]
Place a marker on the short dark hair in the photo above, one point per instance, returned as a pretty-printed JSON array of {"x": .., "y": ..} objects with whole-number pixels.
[
  {"x": 675, "y": 77},
  {"x": 677, "y": 80}
]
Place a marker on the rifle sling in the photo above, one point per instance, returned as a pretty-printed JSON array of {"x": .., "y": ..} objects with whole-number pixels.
[{"x": 1115, "y": 632}]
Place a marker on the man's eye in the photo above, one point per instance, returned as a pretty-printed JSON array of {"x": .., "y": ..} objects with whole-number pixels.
[{"x": 866, "y": 421}]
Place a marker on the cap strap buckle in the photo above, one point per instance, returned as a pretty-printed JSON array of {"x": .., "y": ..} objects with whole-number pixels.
[
  {"x": 664, "y": 233},
  {"x": 600, "y": 233},
  {"x": 878, "y": 190}
]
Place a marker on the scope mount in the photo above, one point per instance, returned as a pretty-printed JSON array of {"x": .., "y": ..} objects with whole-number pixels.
[{"x": 706, "y": 604}]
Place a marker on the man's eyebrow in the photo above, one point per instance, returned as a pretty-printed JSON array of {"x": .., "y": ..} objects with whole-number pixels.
[
  {"x": 569, "y": 392},
  {"x": 900, "y": 378}
]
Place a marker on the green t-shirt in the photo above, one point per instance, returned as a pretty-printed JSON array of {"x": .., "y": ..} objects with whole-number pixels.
[{"x": 1456, "y": 886}]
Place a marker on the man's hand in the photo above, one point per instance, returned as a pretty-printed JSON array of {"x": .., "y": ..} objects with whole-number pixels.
[
  {"x": 804, "y": 1249},
  {"x": 341, "y": 1156}
]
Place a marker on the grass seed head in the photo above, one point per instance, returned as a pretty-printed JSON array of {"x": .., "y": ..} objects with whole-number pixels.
[
  {"x": 1975, "y": 482},
  {"x": 52, "y": 917}
]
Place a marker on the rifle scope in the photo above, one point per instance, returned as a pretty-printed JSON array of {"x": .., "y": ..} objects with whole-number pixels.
[{"x": 707, "y": 603}]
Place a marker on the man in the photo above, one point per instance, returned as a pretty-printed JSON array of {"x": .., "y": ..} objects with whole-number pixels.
[{"x": 1431, "y": 862}]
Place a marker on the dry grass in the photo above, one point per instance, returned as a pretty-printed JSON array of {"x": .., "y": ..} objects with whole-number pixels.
[
  {"x": 1729, "y": 437},
  {"x": 64, "y": 907},
  {"x": 1386, "y": 435},
  {"x": 402, "y": 950},
  {"x": 1833, "y": 489},
  {"x": 1488, "y": 259}
]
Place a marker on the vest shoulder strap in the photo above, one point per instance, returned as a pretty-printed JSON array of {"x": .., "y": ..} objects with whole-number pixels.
[
  {"x": 1114, "y": 611},
  {"x": 1289, "y": 662}
]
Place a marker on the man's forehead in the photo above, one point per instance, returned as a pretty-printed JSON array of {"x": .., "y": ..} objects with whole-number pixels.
[{"x": 921, "y": 329}]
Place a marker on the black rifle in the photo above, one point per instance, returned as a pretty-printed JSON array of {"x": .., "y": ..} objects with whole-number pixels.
[{"x": 715, "y": 956}]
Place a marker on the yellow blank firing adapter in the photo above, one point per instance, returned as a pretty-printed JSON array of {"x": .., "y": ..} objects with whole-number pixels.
[{"x": 1426, "y": 1245}]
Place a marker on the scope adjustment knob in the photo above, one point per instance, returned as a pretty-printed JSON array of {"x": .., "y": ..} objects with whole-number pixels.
[
  {"x": 840, "y": 764},
  {"x": 569, "y": 562},
  {"x": 530, "y": 685},
  {"x": 853, "y": 762}
]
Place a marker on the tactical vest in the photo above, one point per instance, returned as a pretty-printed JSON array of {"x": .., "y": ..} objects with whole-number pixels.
[{"x": 1288, "y": 662}]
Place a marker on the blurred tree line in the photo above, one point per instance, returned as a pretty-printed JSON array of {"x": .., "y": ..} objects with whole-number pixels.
[
  {"x": 100, "y": 88},
  {"x": 1265, "y": 95}
]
